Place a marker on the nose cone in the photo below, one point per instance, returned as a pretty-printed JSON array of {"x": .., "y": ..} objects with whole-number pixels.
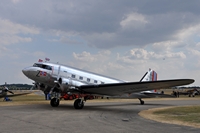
[{"x": 25, "y": 71}]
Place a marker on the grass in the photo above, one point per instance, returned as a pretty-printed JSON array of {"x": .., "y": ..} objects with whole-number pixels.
[
  {"x": 23, "y": 100},
  {"x": 185, "y": 114}
]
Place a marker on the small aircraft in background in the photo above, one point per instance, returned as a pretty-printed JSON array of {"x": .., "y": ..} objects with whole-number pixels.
[
  {"x": 61, "y": 80},
  {"x": 3, "y": 93},
  {"x": 5, "y": 90},
  {"x": 190, "y": 92}
]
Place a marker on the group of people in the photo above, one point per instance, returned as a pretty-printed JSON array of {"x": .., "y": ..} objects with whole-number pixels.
[{"x": 176, "y": 93}]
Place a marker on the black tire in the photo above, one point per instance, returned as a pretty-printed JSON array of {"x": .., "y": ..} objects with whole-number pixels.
[
  {"x": 55, "y": 102},
  {"x": 78, "y": 104},
  {"x": 141, "y": 102}
]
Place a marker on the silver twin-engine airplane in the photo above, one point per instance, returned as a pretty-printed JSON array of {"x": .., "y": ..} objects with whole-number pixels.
[{"x": 70, "y": 83}]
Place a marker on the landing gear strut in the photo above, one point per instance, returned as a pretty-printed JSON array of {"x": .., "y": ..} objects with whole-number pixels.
[
  {"x": 141, "y": 101},
  {"x": 55, "y": 101},
  {"x": 78, "y": 104}
]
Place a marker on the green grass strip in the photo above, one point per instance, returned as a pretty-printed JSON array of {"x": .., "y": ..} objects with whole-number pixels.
[{"x": 186, "y": 114}]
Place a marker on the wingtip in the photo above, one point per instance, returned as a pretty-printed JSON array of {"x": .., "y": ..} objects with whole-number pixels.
[
  {"x": 189, "y": 81},
  {"x": 192, "y": 80}
]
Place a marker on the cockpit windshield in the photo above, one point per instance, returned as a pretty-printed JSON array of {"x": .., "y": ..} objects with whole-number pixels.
[{"x": 42, "y": 66}]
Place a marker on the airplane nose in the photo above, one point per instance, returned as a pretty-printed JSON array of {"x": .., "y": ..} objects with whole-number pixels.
[{"x": 25, "y": 71}]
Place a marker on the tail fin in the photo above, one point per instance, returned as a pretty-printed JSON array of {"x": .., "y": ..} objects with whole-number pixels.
[{"x": 149, "y": 76}]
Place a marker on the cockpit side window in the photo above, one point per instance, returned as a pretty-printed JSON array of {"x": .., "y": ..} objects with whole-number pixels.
[
  {"x": 35, "y": 65},
  {"x": 43, "y": 66},
  {"x": 48, "y": 67}
]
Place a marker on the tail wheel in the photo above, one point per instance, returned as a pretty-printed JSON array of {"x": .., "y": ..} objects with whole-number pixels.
[
  {"x": 55, "y": 102},
  {"x": 141, "y": 101},
  {"x": 78, "y": 104}
]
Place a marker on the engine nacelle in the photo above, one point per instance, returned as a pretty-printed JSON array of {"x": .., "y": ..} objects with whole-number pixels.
[{"x": 66, "y": 84}]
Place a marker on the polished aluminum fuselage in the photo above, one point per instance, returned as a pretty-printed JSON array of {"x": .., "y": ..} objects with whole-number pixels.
[
  {"x": 48, "y": 74},
  {"x": 48, "y": 77}
]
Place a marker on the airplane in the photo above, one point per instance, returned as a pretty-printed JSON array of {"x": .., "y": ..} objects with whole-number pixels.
[
  {"x": 61, "y": 80},
  {"x": 190, "y": 92},
  {"x": 5, "y": 90}
]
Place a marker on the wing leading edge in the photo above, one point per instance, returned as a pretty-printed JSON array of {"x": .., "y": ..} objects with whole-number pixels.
[{"x": 131, "y": 87}]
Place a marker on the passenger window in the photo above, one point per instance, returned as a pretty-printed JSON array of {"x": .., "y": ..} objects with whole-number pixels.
[
  {"x": 81, "y": 78},
  {"x": 73, "y": 76},
  {"x": 102, "y": 82},
  {"x": 95, "y": 81},
  {"x": 88, "y": 80}
]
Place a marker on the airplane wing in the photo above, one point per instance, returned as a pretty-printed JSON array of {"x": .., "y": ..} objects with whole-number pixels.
[
  {"x": 143, "y": 95},
  {"x": 14, "y": 95},
  {"x": 131, "y": 87}
]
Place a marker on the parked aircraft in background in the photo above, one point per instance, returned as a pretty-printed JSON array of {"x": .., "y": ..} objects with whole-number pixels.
[
  {"x": 190, "y": 92},
  {"x": 5, "y": 90},
  {"x": 61, "y": 80}
]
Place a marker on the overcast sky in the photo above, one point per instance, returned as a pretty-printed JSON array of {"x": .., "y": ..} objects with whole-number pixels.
[{"x": 117, "y": 38}]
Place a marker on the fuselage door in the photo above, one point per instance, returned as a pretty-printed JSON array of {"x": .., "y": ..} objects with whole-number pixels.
[
  {"x": 55, "y": 71},
  {"x": 58, "y": 72}
]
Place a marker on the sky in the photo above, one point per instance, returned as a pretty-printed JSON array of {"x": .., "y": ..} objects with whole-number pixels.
[{"x": 116, "y": 38}]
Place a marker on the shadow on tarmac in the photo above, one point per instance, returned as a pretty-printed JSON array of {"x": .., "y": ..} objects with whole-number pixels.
[{"x": 104, "y": 107}]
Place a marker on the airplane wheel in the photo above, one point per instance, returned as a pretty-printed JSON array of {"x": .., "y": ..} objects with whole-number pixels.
[
  {"x": 78, "y": 104},
  {"x": 141, "y": 101},
  {"x": 55, "y": 102}
]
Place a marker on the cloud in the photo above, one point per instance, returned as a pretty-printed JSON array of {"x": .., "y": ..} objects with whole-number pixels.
[
  {"x": 88, "y": 57},
  {"x": 188, "y": 32},
  {"x": 122, "y": 39},
  {"x": 11, "y": 33},
  {"x": 133, "y": 21},
  {"x": 3, "y": 51},
  {"x": 142, "y": 55},
  {"x": 8, "y": 27},
  {"x": 136, "y": 61},
  {"x": 105, "y": 26},
  {"x": 85, "y": 56}
]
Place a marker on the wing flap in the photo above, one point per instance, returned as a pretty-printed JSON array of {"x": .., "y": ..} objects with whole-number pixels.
[{"x": 131, "y": 87}]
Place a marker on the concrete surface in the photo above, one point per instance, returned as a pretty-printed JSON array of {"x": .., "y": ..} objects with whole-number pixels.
[{"x": 95, "y": 117}]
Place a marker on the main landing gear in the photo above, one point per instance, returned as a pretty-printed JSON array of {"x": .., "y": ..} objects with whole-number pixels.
[
  {"x": 141, "y": 101},
  {"x": 55, "y": 102},
  {"x": 78, "y": 104}
]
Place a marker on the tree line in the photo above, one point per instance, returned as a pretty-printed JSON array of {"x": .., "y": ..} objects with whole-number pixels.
[{"x": 17, "y": 86}]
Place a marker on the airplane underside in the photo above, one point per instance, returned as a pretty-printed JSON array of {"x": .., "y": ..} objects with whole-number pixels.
[
  {"x": 80, "y": 99},
  {"x": 78, "y": 103}
]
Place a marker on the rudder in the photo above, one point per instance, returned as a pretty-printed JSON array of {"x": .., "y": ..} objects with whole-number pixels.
[{"x": 149, "y": 76}]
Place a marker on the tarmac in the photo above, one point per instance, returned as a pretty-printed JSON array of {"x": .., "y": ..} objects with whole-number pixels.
[{"x": 95, "y": 117}]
